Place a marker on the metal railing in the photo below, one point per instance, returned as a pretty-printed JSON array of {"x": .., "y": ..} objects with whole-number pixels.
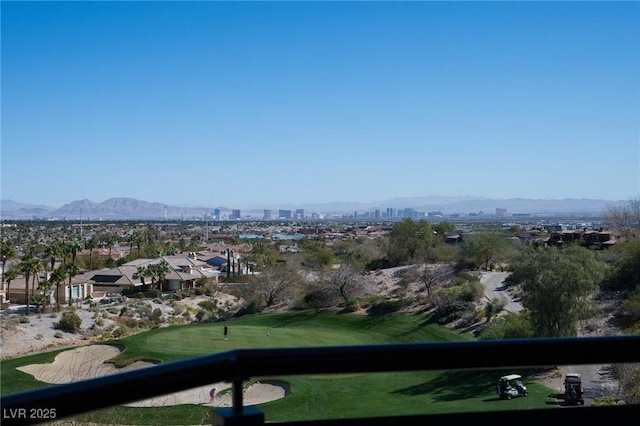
[{"x": 238, "y": 366}]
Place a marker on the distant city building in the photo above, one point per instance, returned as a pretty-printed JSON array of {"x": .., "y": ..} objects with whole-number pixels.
[
  {"x": 216, "y": 214},
  {"x": 235, "y": 214},
  {"x": 377, "y": 214},
  {"x": 299, "y": 214},
  {"x": 501, "y": 212},
  {"x": 266, "y": 215},
  {"x": 391, "y": 212},
  {"x": 284, "y": 214}
]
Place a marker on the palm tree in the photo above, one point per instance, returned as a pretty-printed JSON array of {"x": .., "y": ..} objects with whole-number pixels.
[
  {"x": 29, "y": 266},
  {"x": 6, "y": 253},
  {"x": 52, "y": 252},
  {"x": 57, "y": 277},
  {"x": 11, "y": 274},
  {"x": 41, "y": 299},
  {"x": 141, "y": 273},
  {"x": 158, "y": 271},
  {"x": 91, "y": 244},
  {"x": 72, "y": 270},
  {"x": 75, "y": 246}
]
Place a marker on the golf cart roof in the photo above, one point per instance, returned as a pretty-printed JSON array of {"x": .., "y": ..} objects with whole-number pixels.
[
  {"x": 572, "y": 378},
  {"x": 511, "y": 377}
]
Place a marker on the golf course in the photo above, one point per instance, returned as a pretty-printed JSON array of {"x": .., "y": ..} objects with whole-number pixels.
[{"x": 307, "y": 397}]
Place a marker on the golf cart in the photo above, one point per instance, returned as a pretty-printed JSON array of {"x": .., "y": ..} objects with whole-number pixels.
[
  {"x": 573, "y": 393},
  {"x": 511, "y": 386}
]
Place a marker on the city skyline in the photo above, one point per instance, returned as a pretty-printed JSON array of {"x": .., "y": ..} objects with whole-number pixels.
[{"x": 265, "y": 103}]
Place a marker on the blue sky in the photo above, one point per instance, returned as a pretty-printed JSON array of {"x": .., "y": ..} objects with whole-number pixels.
[{"x": 259, "y": 103}]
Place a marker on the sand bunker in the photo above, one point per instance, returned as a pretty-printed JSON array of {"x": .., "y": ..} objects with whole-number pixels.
[{"x": 88, "y": 362}]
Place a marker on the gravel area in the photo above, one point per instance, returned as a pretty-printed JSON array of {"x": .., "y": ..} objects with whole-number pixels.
[{"x": 24, "y": 334}]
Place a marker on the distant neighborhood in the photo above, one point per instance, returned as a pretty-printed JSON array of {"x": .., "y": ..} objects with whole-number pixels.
[{"x": 223, "y": 250}]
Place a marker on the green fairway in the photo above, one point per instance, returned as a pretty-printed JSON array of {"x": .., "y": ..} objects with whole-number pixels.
[{"x": 313, "y": 396}]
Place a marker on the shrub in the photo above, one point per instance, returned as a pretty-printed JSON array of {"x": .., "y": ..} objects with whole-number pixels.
[
  {"x": 385, "y": 307},
  {"x": 208, "y": 305},
  {"x": 452, "y": 310},
  {"x": 58, "y": 335},
  {"x": 317, "y": 299},
  {"x": 69, "y": 322},
  {"x": 24, "y": 320},
  {"x": 351, "y": 305},
  {"x": 250, "y": 308},
  {"x": 156, "y": 316},
  {"x": 121, "y": 331}
]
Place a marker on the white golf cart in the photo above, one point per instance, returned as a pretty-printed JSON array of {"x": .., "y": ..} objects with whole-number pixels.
[{"x": 511, "y": 386}]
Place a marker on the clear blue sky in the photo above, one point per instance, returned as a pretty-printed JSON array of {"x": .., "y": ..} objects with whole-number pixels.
[{"x": 260, "y": 103}]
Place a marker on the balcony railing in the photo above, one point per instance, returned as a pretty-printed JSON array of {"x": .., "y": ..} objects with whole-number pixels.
[{"x": 238, "y": 366}]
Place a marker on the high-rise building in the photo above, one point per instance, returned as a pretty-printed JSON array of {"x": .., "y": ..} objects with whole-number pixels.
[
  {"x": 266, "y": 215},
  {"x": 284, "y": 214},
  {"x": 216, "y": 214},
  {"x": 235, "y": 214},
  {"x": 299, "y": 214}
]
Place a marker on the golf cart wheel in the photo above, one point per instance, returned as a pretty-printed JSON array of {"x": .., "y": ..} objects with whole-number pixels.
[{"x": 526, "y": 393}]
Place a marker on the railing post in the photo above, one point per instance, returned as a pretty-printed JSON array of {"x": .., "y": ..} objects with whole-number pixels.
[
  {"x": 238, "y": 414},
  {"x": 249, "y": 416}
]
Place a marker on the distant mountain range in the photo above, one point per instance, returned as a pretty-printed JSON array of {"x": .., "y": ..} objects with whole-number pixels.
[{"x": 131, "y": 208}]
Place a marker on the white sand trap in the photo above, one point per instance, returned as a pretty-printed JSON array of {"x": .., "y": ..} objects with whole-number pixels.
[{"x": 87, "y": 362}]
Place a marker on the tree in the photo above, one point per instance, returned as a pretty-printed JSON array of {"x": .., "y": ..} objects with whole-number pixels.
[
  {"x": 75, "y": 246},
  {"x": 346, "y": 281},
  {"x": 157, "y": 271},
  {"x": 273, "y": 285},
  {"x": 53, "y": 251},
  {"x": 141, "y": 273},
  {"x": 433, "y": 274},
  {"x": 41, "y": 299},
  {"x": 72, "y": 270},
  {"x": 626, "y": 218},
  {"x": 409, "y": 241},
  {"x": 6, "y": 253},
  {"x": 481, "y": 249},
  {"x": 9, "y": 275},
  {"x": 91, "y": 244},
  {"x": 30, "y": 267},
  {"x": 557, "y": 285},
  {"x": 57, "y": 278}
]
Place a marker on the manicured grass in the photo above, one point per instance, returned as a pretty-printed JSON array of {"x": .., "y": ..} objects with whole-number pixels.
[{"x": 315, "y": 396}]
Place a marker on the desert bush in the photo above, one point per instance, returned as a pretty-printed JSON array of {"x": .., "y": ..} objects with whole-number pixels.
[
  {"x": 316, "y": 299},
  {"x": 351, "y": 305},
  {"x": 121, "y": 331},
  {"x": 156, "y": 316},
  {"x": 208, "y": 305},
  {"x": 58, "y": 335},
  {"x": 385, "y": 307},
  {"x": 452, "y": 310},
  {"x": 39, "y": 336},
  {"x": 24, "y": 320},
  {"x": 250, "y": 308},
  {"x": 69, "y": 322}
]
